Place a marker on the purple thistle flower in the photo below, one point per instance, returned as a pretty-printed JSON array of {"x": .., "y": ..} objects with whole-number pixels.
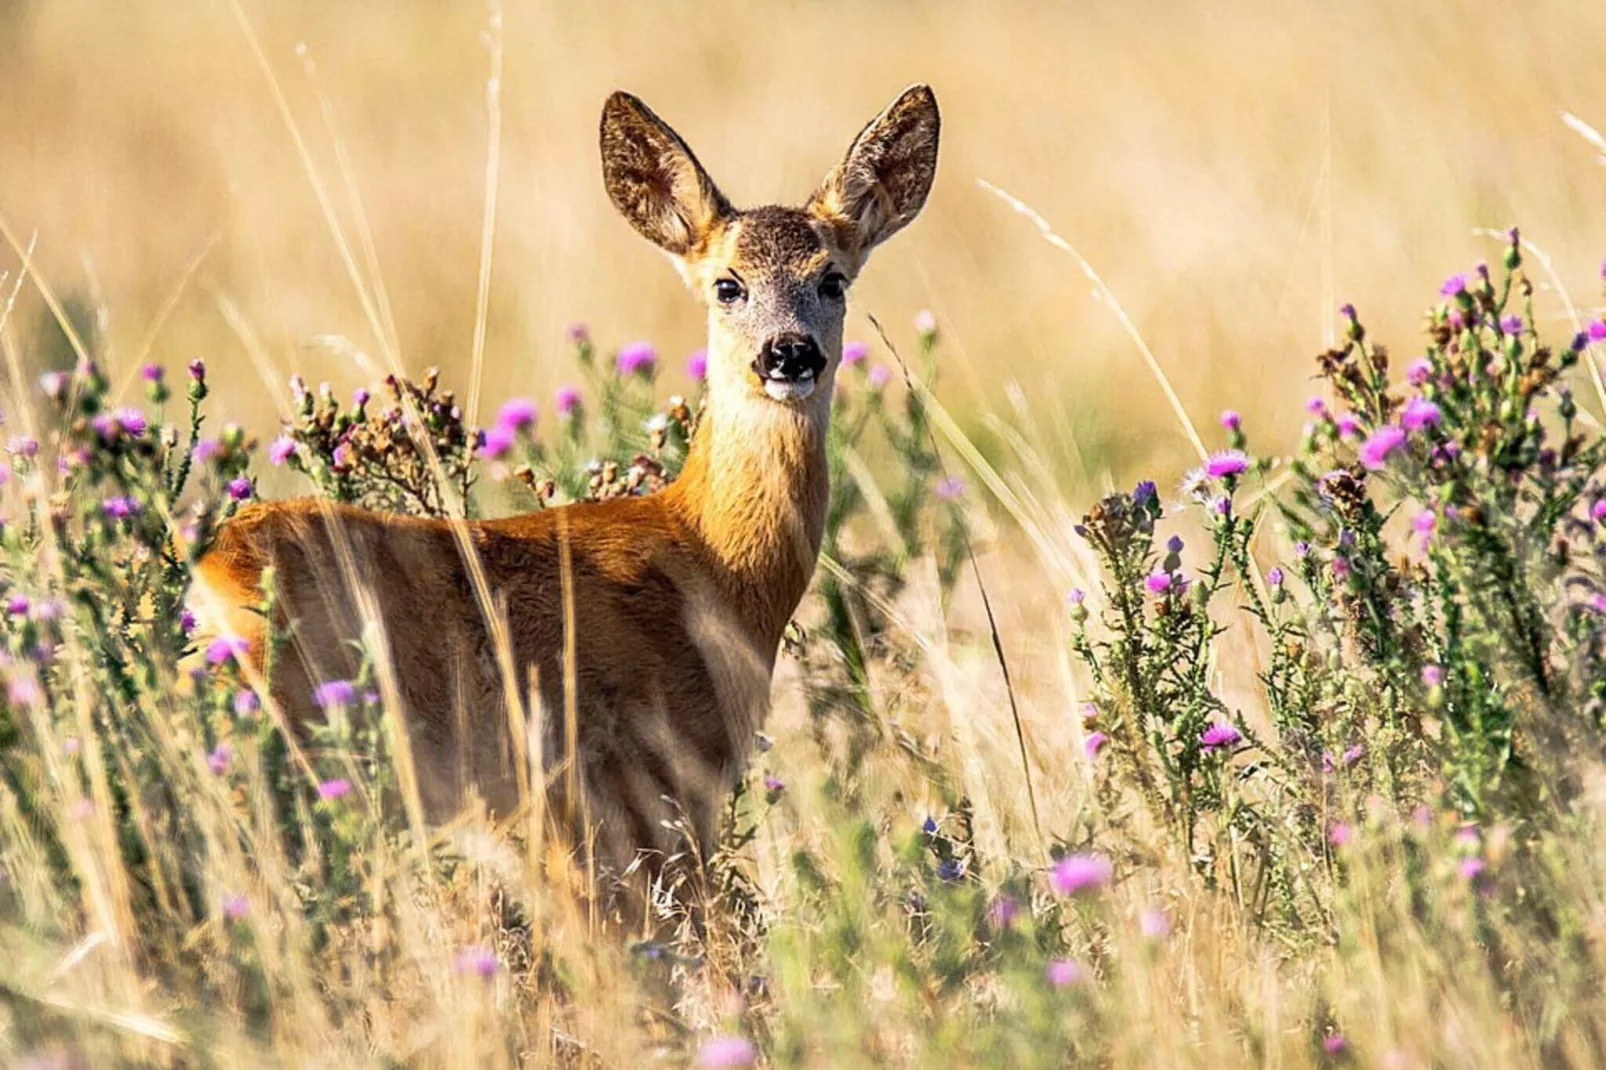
[
  {"x": 18, "y": 606},
  {"x": 950, "y": 488},
  {"x": 132, "y": 421},
  {"x": 1220, "y": 734},
  {"x": 637, "y": 358},
  {"x": 120, "y": 508},
  {"x": 1454, "y": 285},
  {"x": 234, "y": 907},
  {"x": 360, "y": 397},
  {"x": 517, "y": 414},
  {"x": 1598, "y": 510},
  {"x": 1334, "y": 1044},
  {"x": 1384, "y": 441},
  {"x": 1231, "y": 420},
  {"x": 1347, "y": 310},
  {"x": 879, "y": 376},
  {"x": 577, "y": 334},
  {"x": 23, "y": 690},
  {"x": 1420, "y": 413},
  {"x": 206, "y": 449},
  {"x": 1317, "y": 408},
  {"x": 1472, "y": 867},
  {"x": 854, "y": 353},
  {"x": 1144, "y": 493},
  {"x": 246, "y": 702},
  {"x": 1419, "y": 372},
  {"x": 1354, "y": 753},
  {"x": 23, "y": 446},
  {"x": 697, "y": 365},
  {"x": 497, "y": 441},
  {"x": 198, "y": 370},
  {"x": 281, "y": 449},
  {"x": 1597, "y": 331},
  {"x": 330, "y": 790},
  {"x": 1095, "y": 741},
  {"x": 1512, "y": 325},
  {"x": 226, "y": 648},
  {"x": 240, "y": 489},
  {"x": 925, "y": 322},
  {"x": 1158, "y": 582},
  {"x": 1339, "y": 834},
  {"x": 218, "y": 760},
  {"x": 1275, "y": 576},
  {"x": 1154, "y": 923},
  {"x": 567, "y": 401},
  {"x": 1003, "y": 910},
  {"x": 105, "y": 425},
  {"x": 186, "y": 621},
  {"x": 1078, "y": 596},
  {"x": 727, "y": 1053},
  {"x": 1078, "y": 873},
  {"x": 1433, "y": 675},
  {"x": 334, "y": 693},
  {"x": 1424, "y": 522},
  {"x": 1062, "y": 973},
  {"x": 476, "y": 959},
  {"x": 774, "y": 784},
  {"x": 55, "y": 384},
  {"x": 1227, "y": 463}
]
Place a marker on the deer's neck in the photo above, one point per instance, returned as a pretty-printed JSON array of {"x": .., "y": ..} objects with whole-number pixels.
[{"x": 754, "y": 489}]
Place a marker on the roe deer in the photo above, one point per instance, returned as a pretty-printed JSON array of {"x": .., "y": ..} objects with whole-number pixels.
[{"x": 670, "y": 606}]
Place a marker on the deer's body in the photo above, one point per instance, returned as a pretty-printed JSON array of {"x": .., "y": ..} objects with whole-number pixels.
[{"x": 672, "y": 604}]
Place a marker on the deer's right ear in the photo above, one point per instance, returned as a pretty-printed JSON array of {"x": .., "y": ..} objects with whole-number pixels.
[{"x": 654, "y": 180}]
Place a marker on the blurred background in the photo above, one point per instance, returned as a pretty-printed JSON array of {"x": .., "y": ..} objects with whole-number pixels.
[{"x": 1232, "y": 170}]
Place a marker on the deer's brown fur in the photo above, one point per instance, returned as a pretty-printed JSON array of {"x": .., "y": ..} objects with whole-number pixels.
[{"x": 678, "y": 599}]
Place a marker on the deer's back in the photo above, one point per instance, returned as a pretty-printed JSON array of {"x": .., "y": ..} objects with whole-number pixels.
[{"x": 662, "y": 688}]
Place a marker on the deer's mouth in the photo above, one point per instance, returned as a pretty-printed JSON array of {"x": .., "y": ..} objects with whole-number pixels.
[{"x": 790, "y": 375}]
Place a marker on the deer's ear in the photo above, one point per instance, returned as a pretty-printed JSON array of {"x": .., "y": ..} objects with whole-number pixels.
[
  {"x": 882, "y": 182},
  {"x": 654, "y": 180}
]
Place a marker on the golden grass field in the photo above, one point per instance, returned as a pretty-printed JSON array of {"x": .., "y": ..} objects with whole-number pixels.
[
  {"x": 234, "y": 179},
  {"x": 1233, "y": 171}
]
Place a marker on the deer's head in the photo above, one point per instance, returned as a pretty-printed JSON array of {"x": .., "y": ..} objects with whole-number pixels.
[{"x": 774, "y": 279}]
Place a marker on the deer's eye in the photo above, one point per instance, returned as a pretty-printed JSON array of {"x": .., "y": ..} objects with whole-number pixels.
[
  {"x": 727, "y": 291},
  {"x": 833, "y": 286}
]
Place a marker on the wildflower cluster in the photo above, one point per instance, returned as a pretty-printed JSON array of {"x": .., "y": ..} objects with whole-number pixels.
[{"x": 409, "y": 453}]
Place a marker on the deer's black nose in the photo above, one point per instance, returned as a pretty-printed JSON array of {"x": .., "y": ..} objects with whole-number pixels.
[{"x": 790, "y": 358}]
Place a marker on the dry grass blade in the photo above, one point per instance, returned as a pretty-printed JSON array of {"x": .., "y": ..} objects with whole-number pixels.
[{"x": 1113, "y": 303}]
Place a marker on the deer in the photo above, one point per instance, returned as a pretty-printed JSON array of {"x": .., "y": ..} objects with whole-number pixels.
[{"x": 646, "y": 628}]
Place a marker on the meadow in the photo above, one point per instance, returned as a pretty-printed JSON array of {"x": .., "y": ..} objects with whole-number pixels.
[{"x": 1205, "y": 663}]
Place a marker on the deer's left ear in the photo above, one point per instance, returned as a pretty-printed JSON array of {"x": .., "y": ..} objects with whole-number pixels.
[{"x": 882, "y": 182}]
